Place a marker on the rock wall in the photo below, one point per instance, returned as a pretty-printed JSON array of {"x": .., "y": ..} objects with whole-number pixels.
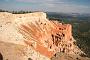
[{"x": 36, "y": 31}]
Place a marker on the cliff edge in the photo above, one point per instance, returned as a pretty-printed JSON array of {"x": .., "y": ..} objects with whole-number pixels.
[{"x": 35, "y": 32}]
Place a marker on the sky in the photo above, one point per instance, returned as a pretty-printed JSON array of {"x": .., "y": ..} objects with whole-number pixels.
[{"x": 64, "y": 6}]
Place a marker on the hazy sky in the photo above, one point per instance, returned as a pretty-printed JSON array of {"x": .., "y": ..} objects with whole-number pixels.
[{"x": 66, "y": 6}]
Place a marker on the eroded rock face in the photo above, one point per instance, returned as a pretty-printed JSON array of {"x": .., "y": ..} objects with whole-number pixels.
[{"x": 35, "y": 30}]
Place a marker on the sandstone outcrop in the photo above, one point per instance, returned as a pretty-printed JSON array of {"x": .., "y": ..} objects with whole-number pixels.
[{"x": 33, "y": 35}]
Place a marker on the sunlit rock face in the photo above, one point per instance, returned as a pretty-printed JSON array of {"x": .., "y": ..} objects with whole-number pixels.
[{"x": 36, "y": 32}]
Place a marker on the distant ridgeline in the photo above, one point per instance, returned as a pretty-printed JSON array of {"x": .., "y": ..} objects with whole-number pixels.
[{"x": 15, "y": 12}]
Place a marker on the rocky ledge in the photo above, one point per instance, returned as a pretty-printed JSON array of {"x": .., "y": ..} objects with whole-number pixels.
[{"x": 41, "y": 38}]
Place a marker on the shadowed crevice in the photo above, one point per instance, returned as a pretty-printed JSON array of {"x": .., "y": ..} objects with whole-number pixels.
[{"x": 1, "y": 56}]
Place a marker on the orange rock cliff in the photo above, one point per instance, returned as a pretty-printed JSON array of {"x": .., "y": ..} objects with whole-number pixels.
[{"x": 34, "y": 31}]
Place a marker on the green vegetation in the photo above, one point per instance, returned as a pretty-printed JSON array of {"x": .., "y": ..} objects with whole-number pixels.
[
  {"x": 81, "y": 32},
  {"x": 15, "y": 12},
  {"x": 20, "y": 12}
]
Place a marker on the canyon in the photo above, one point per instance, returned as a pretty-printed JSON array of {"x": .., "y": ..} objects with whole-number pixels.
[{"x": 33, "y": 36}]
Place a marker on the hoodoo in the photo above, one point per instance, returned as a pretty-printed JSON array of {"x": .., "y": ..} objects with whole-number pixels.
[{"x": 33, "y": 36}]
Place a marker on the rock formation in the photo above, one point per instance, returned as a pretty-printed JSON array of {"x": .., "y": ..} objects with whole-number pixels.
[{"x": 33, "y": 36}]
